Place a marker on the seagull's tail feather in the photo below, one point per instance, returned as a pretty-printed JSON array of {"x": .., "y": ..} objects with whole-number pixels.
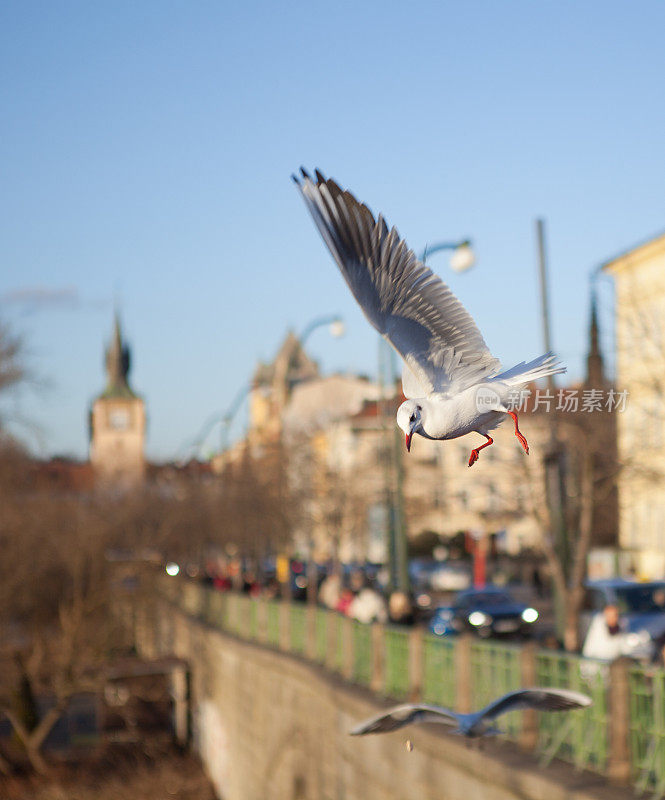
[{"x": 525, "y": 373}]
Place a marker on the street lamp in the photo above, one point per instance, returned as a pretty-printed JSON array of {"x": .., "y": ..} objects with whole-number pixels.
[
  {"x": 554, "y": 459},
  {"x": 227, "y": 417},
  {"x": 462, "y": 258},
  {"x": 336, "y": 327},
  {"x": 334, "y": 321}
]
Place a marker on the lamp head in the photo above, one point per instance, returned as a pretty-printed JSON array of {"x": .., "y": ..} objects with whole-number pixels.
[{"x": 463, "y": 257}]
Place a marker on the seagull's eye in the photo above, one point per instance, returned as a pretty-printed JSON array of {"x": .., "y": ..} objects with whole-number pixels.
[{"x": 412, "y": 418}]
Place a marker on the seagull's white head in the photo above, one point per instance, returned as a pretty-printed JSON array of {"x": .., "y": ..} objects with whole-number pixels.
[{"x": 409, "y": 419}]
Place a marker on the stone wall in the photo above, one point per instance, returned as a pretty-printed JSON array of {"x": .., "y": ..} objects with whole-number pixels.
[{"x": 269, "y": 725}]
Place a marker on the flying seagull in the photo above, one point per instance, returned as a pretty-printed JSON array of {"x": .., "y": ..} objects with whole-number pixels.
[
  {"x": 453, "y": 383},
  {"x": 478, "y": 723}
]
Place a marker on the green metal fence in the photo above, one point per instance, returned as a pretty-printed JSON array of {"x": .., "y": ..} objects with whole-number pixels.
[
  {"x": 272, "y": 622},
  {"x": 216, "y": 609},
  {"x": 579, "y": 736},
  {"x": 233, "y": 622},
  {"x": 647, "y": 728},
  {"x": 243, "y": 617},
  {"x": 496, "y": 670},
  {"x": 321, "y": 634},
  {"x": 362, "y": 653},
  {"x": 336, "y": 625},
  {"x": 298, "y": 628},
  {"x": 253, "y": 620},
  {"x": 439, "y": 672},
  {"x": 397, "y": 678}
]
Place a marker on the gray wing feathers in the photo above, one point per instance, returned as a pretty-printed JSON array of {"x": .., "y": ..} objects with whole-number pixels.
[
  {"x": 403, "y": 299},
  {"x": 400, "y": 716},
  {"x": 540, "y": 699}
]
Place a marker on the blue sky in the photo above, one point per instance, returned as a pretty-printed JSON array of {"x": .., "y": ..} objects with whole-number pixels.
[{"x": 147, "y": 149}]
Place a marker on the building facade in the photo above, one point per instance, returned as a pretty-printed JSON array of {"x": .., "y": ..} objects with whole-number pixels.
[{"x": 639, "y": 279}]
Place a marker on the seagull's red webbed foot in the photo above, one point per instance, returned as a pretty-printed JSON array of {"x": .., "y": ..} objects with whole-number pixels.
[
  {"x": 475, "y": 453},
  {"x": 522, "y": 440}
]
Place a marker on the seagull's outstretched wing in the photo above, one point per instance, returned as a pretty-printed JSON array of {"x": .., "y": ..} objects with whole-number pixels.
[
  {"x": 399, "y": 716},
  {"x": 403, "y": 299},
  {"x": 540, "y": 699}
]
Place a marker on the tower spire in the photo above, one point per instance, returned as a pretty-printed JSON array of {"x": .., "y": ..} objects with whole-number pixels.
[
  {"x": 117, "y": 362},
  {"x": 595, "y": 372}
]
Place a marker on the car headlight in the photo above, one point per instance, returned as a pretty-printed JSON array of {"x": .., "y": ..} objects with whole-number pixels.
[
  {"x": 529, "y": 615},
  {"x": 477, "y": 618}
]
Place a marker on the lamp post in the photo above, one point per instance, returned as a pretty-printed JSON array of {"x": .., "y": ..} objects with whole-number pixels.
[
  {"x": 336, "y": 326},
  {"x": 554, "y": 459},
  {"x": 462, "y": 258},
  {"x": 227, "y": 417},
  {"x": 334, "y": 321}
]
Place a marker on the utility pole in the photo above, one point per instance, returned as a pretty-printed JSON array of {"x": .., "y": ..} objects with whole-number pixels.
[
  {"x": 554, "y": 459},
  {"x": 393, "y": 471},
  {"x": 401, "y": 547},
  {"x": 386, "y": 455}
]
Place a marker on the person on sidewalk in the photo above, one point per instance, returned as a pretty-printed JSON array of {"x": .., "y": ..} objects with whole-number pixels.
[{"x": 606, "y": 637}]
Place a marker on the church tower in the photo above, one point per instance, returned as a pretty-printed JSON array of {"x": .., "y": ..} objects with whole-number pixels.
[
  {"x": 117, "y": 421},
  {"x": 595, "y": 371},
  {"x": 601, "y": 433}
]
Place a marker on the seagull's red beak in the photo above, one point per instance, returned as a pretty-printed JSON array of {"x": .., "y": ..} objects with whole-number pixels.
[{"x": 408, "y": 441}]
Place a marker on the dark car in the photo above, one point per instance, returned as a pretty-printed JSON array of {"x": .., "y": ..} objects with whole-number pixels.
[{"x": 491, "y": 612}]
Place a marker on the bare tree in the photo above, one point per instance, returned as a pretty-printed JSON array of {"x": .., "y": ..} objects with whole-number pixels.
[
  {"x": 12, "y": 362},
  {"x": 591, "y": 475},
  {"x": 55, "y": 601}
]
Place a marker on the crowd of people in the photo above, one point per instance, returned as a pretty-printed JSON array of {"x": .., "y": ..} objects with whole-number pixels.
[
  {"x": 362, "y": 600},
  {"x": 353, "y": 594}
]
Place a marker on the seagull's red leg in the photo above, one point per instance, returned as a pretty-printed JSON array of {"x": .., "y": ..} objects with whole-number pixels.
[
  {"x": 519, "y": 435},
  {"x": 474, "y": 453}
]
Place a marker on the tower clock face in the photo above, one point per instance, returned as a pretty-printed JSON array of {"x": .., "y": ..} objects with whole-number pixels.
[{"x": 119, "y": 419}]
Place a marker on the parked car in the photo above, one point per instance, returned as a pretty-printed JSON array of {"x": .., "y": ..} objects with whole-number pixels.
[
  {"x": 491, "y": 612},
  {"x": 641, "y": 611}
]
